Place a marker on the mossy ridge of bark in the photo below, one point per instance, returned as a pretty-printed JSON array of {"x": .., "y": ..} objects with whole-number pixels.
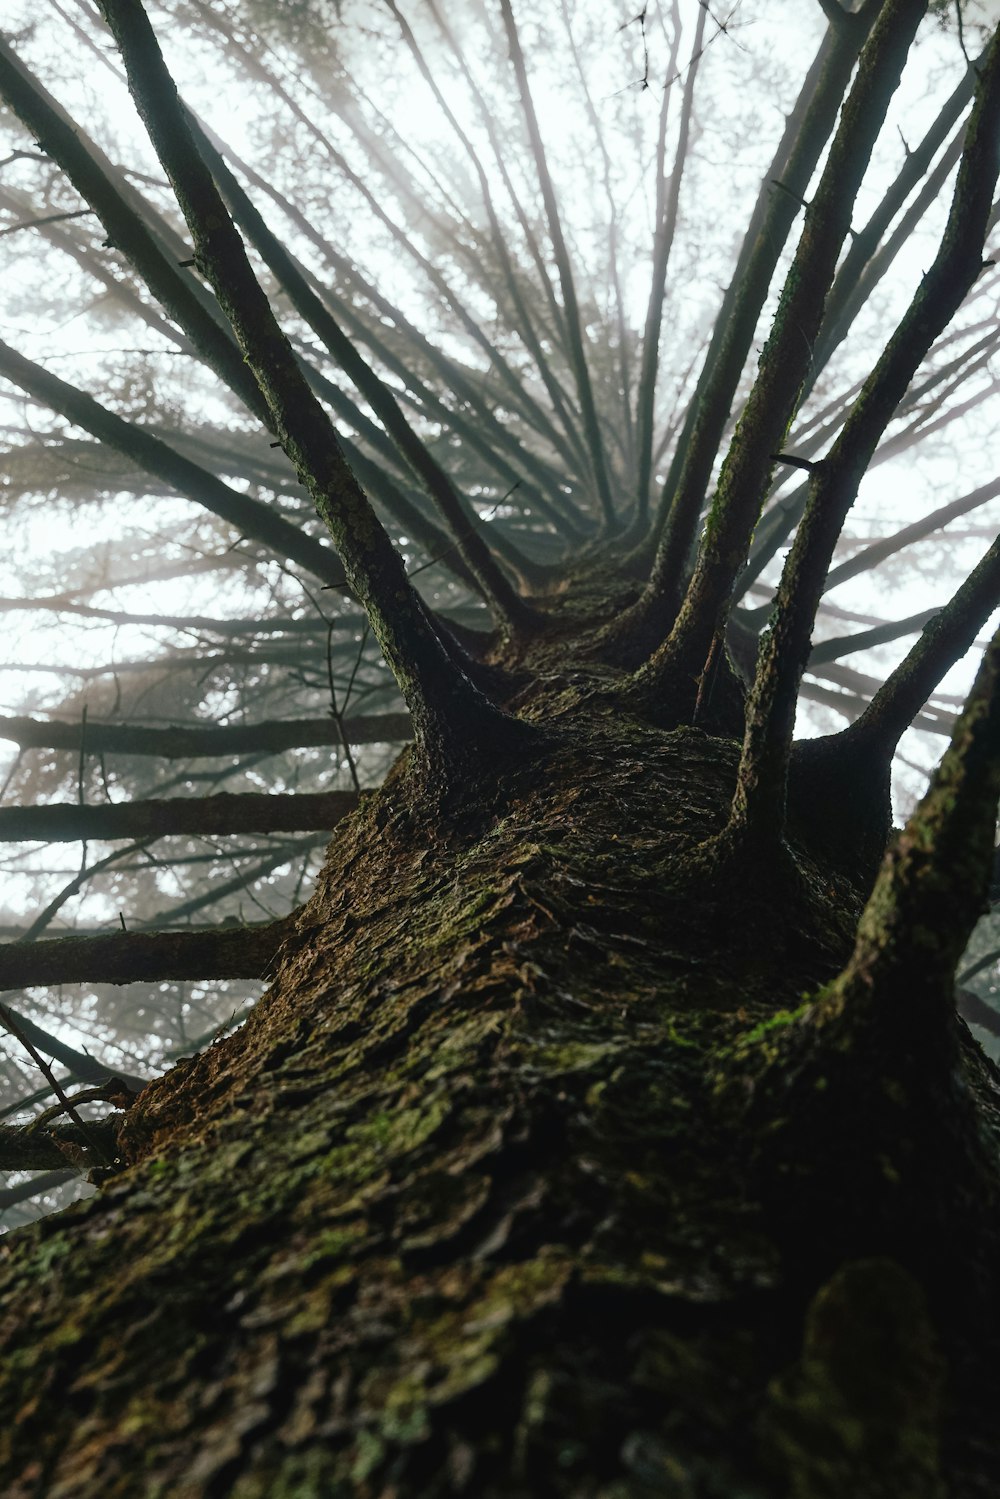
[{"x": 438, "y": 1211}]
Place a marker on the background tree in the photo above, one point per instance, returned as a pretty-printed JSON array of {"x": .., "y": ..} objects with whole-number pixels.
[{"x": 411, "y": 386}]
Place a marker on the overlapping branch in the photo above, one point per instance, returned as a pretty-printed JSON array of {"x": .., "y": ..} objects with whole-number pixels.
[
  {"x": 452, "y": 719},
  {"x": 574, "y": 324},
  {"x": 805, "y": 135},
  {"x": 758, "y": 808},
  {"x": 784, "y": 362}
]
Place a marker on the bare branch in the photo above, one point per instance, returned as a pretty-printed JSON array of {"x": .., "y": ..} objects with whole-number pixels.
[
  {"x": 785, "y": 360},
  {"x": 591, "y": 424},
  {"x": 141, "y": 957},
  {"x": 180, "y": 742},
  {"x": 453, "y": 721},
  {"x": 249, "y": 516},
  {"x": 25, "y": 1149},
  {"x": 667, "y": 205},
  {"x": 222, "y": 815},
  {"x": 757, "y": 816},
  {"x": 805, "y": 135},
  {"x": 153, "y": 254},
  {"x": 457, "y": 514}
]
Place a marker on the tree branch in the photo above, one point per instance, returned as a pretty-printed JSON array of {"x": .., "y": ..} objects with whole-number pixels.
[
  {"x": 806, "y": 133},
  {"x": 846, "y": 645},
  {"x": 757, "y": 818},
  {"x": 459, "y": 517},
  {"x": 25, "y": 1149},
  {"x": 82, "y": 1067},
  {"x": 666, "y": 223},
  {"x": 943, "y": 641},
  {"x": 514, "y": 387},
  {"x": 180, "y": 742},
  {"x": 933, "y": 883},
  {"x": 591, "y": 423},
  {"x": 784, "y": 363},
  {"x": 117, "y": 206},
  {"x": 248, "y": 812},
  {"x": 834, "y": 12},
  {"x": 249, "y": 516},
  {"x": 11, "y": 1196},
  {"x": 138, "y": 957},
  {"x": 525, "y": 322},
  {"x": 453, "y": 722}
]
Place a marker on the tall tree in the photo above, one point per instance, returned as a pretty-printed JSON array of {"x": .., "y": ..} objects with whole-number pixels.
[{"x": 609, "y": 1124}]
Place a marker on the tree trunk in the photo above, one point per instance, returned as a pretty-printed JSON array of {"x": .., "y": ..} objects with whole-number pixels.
[{"x": 466, "y": 1207}]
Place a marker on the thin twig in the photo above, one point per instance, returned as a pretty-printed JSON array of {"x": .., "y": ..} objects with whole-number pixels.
[
  {"x": 337, "y": 714},
  {"x": 481, "y": 520},
  {"x": 66, "y": 1104}
]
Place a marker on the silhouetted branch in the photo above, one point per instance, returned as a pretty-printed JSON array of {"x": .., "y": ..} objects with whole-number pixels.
[
  {"x": 179, "y": 742},
  {"x": 205, "y": 624},
  {"x": 225, "y": 814},
  {"x": 457, "y": 514},
  {"x": 82, "y": 1067},
  {"x": 525, "y": 323},
  {"x": 66, "y": 1105},
  {"x": 806, "y": 133},
  {"x": 119, "y": 210},
  {"x": 786, "y": 357},
  {"x": 834, "y": 12},
  {"x": 11, "y": 1196},
  {"x": 249, "y": 516},
  {"x": 863, "y": 640},
  {"x": 252, "y": 67},
  {"x": 758, "y": 807},
  {"x": 933, "y": 883},
  {"x": 500, "y": 146},
  {"x": 862, "y": 269},
  {"x": 574, "y": 325},
  {"x": 26, "y": 1149},
  {"x": 452, "y": 719},
  {"x": 943, "y": 641},
  {"x": 667, "y": 204}
]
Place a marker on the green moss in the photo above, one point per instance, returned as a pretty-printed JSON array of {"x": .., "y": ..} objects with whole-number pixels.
[{"x": 773, "y": 1023}]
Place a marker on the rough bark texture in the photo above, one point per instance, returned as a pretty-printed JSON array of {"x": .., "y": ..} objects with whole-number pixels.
[
  {"x": 466, "y": 1208},
  {"x": 562, "y": 1157}
]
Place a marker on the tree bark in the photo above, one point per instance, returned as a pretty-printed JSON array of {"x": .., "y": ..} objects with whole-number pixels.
[{"x": 462, "y": 1208}]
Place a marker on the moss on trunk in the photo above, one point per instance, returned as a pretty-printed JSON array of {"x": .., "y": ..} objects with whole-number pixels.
[{"x": 462, "y": 1209}]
